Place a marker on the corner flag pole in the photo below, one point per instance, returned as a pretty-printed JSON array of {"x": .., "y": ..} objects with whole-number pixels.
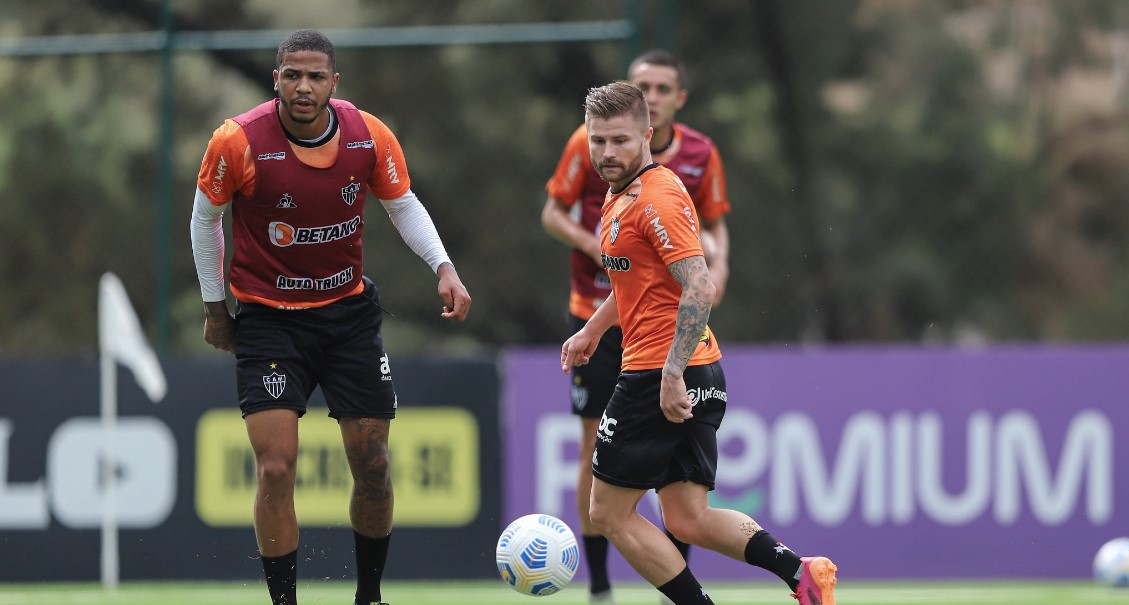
[{"x": 120, "y": 339}]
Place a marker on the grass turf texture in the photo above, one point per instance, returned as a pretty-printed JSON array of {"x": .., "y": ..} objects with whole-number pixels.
[{"x": 490, "y": 592}]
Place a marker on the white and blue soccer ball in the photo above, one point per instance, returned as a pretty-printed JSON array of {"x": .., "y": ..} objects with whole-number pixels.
[
  {"x": 537, "y": 555},
  {"x": 1111, "y": 564}
]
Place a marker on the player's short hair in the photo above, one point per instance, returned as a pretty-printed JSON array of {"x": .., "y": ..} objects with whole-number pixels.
[
  {"x": 616, "y": 99},
  {"x": 658, "y": 56},
  {"x": 307, "y": 39}
]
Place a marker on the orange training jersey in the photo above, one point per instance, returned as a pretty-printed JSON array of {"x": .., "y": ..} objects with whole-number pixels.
[
  {"x": 228, "y": 173},
  {"x": 691, "y": 155},
  {"x": 646, "y": 227}
]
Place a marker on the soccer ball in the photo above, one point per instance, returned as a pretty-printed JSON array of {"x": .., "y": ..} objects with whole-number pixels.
[
  {"x": 537, "y": 555},
  {"x": 1111, "y": 564}
]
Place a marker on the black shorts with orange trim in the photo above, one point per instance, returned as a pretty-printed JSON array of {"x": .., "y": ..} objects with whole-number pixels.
[
  {"x": 281, "y": 356},
  {"x": 638, "y": 448}
]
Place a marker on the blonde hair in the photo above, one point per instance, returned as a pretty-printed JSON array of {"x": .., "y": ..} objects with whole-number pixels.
[{"x": 616, "y": 99}]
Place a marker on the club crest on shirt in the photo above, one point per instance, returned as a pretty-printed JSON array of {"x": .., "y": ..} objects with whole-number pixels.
[
  {"x": 275, "y": 384},
  {"x": 615, "y": 229},
  {"x": 349, "y": 192}
]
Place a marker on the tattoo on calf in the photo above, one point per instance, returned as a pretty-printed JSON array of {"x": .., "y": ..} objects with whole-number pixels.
[{"x": 750, "y": 528}]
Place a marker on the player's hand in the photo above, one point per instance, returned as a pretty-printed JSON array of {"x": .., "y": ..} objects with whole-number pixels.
[
  {"x": 577, "y": 350},
  {"x": 674, "y": 400},
  {"x": 456, "y": 299},
  {"x": 219, "y": 326}
]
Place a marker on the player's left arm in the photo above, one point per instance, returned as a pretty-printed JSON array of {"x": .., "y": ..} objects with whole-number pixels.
[
  {"x": 693, "y": 316},
  {"x": 417, "y": 229},
  {"x": 390, "y": 183}
]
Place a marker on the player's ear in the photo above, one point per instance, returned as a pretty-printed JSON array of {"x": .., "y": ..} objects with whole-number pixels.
[{"x": 682, "y": 94}]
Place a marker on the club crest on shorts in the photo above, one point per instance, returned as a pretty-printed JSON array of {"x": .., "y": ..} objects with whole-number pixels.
[
  {"x": 275, "y": 384},
  {"x": 615, "y": 229},
  {"x": 349, "y": 192}
]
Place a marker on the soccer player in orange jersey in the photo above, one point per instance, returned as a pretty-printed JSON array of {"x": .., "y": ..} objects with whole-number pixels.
[
  {"x": 659, "y": 430},
  {"x": 295, "y": 172},
  {"x": 576, "y": 187}
]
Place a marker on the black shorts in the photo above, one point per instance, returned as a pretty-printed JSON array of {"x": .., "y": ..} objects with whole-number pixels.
[
  {"x": 281, "y": 356},
  {"x": 594, "y": 382},
  {"x": 638, "y": 448}
]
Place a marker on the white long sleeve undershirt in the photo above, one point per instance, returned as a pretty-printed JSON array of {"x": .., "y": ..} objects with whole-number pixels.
[
  {"x": 406, "y": 212},
  {"x": 208, "y": 247},
  {"x": 416, "y": 227}
]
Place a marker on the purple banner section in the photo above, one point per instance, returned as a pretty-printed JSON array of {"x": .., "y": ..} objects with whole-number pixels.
[{"x": 896, "y": 462}]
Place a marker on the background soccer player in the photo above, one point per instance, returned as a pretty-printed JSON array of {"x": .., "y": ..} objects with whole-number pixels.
[
  {"x": 576, "y": 185},
  {"x": 295, "y": 172},
  {"x": 659, "y": 430}
]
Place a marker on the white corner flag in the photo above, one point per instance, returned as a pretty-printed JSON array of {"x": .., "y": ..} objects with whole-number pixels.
[{"x": 120, "y": 339}]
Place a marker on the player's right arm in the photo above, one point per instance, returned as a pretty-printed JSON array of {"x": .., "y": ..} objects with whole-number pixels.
[
  {"x": 221, "y": 174},
  {"x": 578, "y": 349},
  {"x": 565, "y": 188},
  {"x": 558, "y": 221}
]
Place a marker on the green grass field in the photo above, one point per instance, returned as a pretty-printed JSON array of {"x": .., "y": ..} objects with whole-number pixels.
[{"x": 494, "y": 593}]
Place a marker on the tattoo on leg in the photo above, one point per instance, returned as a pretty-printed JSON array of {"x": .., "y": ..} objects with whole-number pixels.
[
  {"x": 750, "y": 528},
  {"x": 371, "y": 505}
]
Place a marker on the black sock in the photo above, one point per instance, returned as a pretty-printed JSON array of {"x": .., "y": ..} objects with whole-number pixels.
[
  {"x": 372, "y": 553},
  {"x": 764, "y": 551},
  {"x": 684, "y": 589},
  {"x": 683, "y": 547},
  {"x": 282, "y": 578},
  {"x": 596, "y": 554}
]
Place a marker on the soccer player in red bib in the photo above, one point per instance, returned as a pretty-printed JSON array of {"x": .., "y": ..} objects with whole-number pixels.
[
  {"x": 659, "y": 430},
  {"x": 576, "y": 188},
  {"x": 295, "y": 173}
]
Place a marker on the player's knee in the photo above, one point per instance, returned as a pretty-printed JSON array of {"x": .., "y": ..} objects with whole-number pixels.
[
  {"x": 601, "y": 518},
  {"x": 683, "y": 529},
  {"x": 375, "y": 470},
  {"x": 276, "y": 470}
]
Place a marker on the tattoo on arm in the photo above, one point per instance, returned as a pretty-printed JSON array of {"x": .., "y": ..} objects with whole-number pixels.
[{"x": 693, "y": 309}]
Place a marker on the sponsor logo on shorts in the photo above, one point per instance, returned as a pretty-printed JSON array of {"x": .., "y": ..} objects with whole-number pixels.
[
  {"x": 615, "y": 263},
  {"x": 284, "y": 234},
  {"x": 700, "y": 395},
  {"x": 284, "y": 282},
  {"x": 579, "y": 395},
  {"x": 607, "y": 428},
  {"x": 275, "y": 383},
  {"x": 386, "y": 371},
  {"x": 277, "y": 155}
]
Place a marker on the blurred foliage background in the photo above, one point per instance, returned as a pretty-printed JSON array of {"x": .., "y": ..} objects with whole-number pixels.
[{"x": 939, "y": 171}]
